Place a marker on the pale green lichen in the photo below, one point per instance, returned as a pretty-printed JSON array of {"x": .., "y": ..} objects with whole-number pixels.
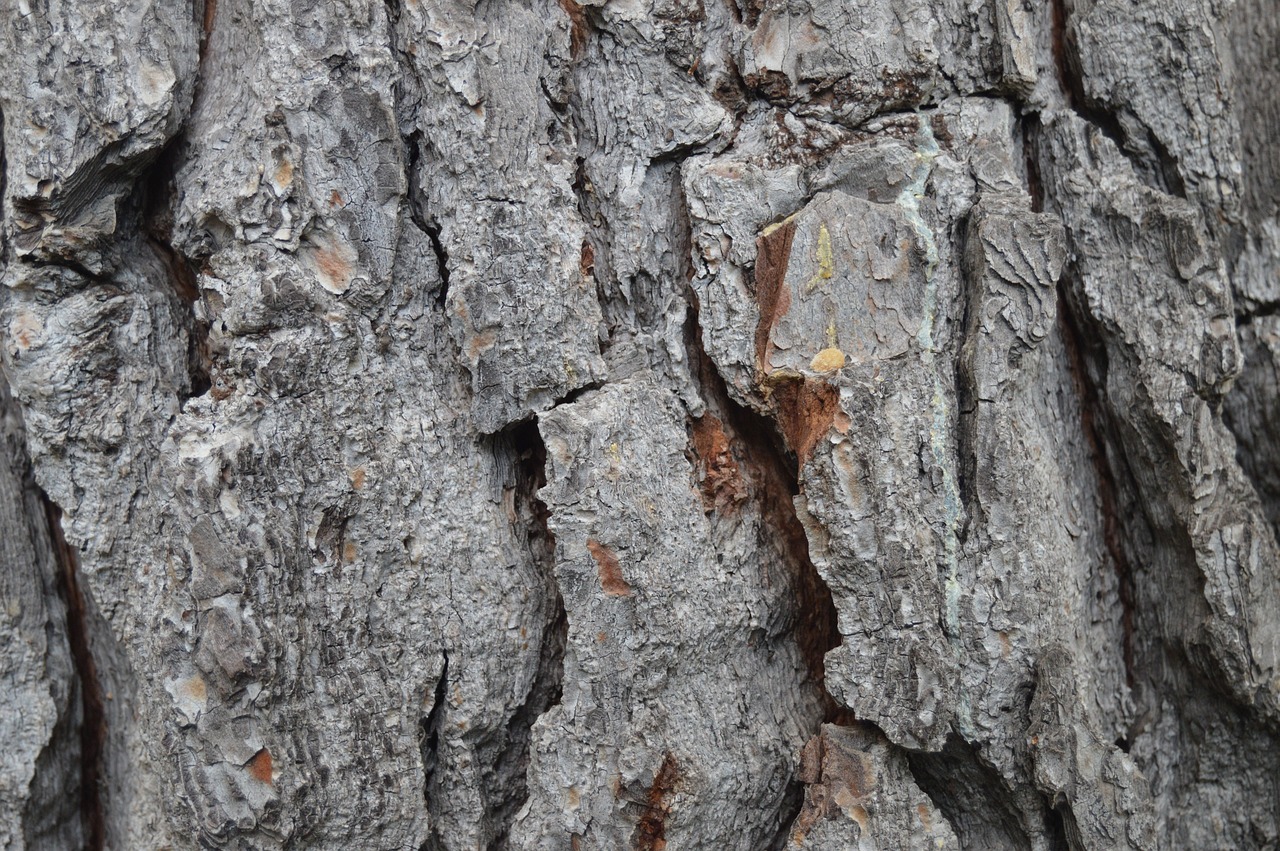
[{"x": 908, "y": 200}]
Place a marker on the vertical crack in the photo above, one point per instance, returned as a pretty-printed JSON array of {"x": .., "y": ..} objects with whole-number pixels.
[
  {"x": 1156, "y": 166},
  {"x": 1086, "y": 357},
  {"x": 154, "y": 195},
  {"x": 93, "y": 727},
  {"x": 429, "y": 732},
  {"x": 530, "y": 520},
  {"x": 773, "y": 470},
  {"x": 420, "y": 219},
  {"x": 1109, "y": 504},
  {"x": 207, "y": 16}
]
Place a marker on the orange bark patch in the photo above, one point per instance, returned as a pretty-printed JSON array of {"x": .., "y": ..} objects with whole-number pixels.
[
  {"x": 260, "y": 767},
  {"x": 848, "y": 770},
  {"x": 577, "y": 27},
  {"x": 720, "y": 479},
  {"x": 650, "y": 833},
  {"x": 807, "y": 410},
  {"x": 196, "y": 689},
  {"x": 773, "y": 252},
  {"x": 357, "y": 478},
  {"x": 334, "y": 269},
  {"x": 610, "y": 571},
  {"x": 284, "y": 174},
  {"x": 25, "y": 328},
  {"x": 480, "y": 343}
]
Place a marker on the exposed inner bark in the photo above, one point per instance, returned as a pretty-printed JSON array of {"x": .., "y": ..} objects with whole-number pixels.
[{"x": 772, "y": 471}]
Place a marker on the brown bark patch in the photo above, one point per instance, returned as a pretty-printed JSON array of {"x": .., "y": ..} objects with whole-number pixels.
[
  {"x": 260, "y": 766},
  {"x": 587, "y": 261},
  {"x": 806, "y": 412},
  {"x": 651, "y": 831},
  {"x": 773, "y": 252},
  {"x": 577, "y": 27},
  {"x": 839, "y": 768},
  {"x": 333, "y": 267},
  {"x": 210, "y": 10},
  {"x": 720, "y": 480},
  {"x": 284, "y": 174},
  {"x": 611, "y": 579}
]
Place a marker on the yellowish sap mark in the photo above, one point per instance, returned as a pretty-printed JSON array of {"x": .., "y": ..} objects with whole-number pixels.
[
  {"x": 827, "y": 360},
  {"x": 768, "y": 229},
  {"x": 826, "y": 260}
]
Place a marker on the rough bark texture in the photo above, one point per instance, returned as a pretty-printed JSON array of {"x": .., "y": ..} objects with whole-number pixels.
[{"x": 640, "y": 424}]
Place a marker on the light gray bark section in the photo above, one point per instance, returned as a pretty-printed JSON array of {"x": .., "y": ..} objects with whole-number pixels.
[
  {"x": 660, "y": 424},
  {"x": 40, "y": 707}
]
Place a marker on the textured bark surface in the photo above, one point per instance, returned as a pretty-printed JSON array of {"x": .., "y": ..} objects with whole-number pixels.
[{"x": 640, "y": 424}]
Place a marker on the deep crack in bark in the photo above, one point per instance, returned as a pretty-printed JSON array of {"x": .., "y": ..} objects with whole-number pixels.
[
  {"x": 771, "y": 469},
  {"x": 530, "y": 456},
  {"x": 429, "y": 732},
  {"x": 93, "y": 726},
  {"x": 1161, "y": 174},
  {"x": 153, "y": 201},
  {"x": 1108, "y": 501}
]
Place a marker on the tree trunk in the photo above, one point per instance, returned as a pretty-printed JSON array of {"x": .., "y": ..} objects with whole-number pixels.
[{"x": 685, "y": 424}]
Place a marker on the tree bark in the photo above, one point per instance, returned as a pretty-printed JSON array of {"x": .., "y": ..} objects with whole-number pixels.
[{"x": 670, "y": 424}]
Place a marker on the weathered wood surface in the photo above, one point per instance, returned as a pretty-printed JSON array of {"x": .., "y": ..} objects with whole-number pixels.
[{"x": 669, "y": 424}]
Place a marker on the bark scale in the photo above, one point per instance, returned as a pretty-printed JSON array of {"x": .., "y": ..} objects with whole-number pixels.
[{"x": 672, "y": 424}]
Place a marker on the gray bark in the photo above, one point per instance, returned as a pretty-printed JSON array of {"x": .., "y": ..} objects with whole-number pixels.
[{"x": 669, "y": 424}]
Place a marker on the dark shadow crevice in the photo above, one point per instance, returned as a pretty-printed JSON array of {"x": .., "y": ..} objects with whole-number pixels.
[
  {"x": 1152, "y": 161},
  {"x": 526, "y": 452},
  {"x": 417, "y": 214},
  {"x": 93, "y": 727},
  {"x": 1109, "y": 504},
  {"x": 153, "y": 199},
  {"x": 976, "y": 801},
  {"x": 429, "y": 736}
]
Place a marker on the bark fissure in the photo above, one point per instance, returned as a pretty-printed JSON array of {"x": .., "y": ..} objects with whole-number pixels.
[
  {"x": 976, "y": 801},
  {"x": 430, "y": 227},
  {"x": 1091, "y": 408},
  {"x": 967, "y": 420},
  {"x": 1162, "y": 173},
  {"x": 531, "y": 521},
  {"x": 773, "y": 469},
  {"x": 156, "y": 190},
  {"x": 429, "y": 732},
  {"x": 93, "y": 725}
]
